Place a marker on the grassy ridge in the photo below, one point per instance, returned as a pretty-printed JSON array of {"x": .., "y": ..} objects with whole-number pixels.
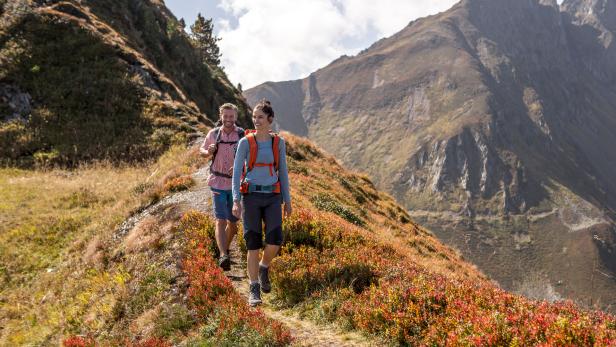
[
  {"x": 85, "y": 103},
  {"x": 100, "y": 79},
  {"x": 215, "y": 313},
  {"x": 61, "y": 269},
  {"x": 357, "y": 260}
]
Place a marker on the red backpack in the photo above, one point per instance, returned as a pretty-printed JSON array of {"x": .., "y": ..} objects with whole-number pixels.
[{"x": 252, "y": 159}]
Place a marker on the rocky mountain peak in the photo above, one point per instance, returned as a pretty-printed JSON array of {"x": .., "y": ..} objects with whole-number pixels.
[
  {"x": 496, "y": 7},
  {"x": 593, "y": 12}
]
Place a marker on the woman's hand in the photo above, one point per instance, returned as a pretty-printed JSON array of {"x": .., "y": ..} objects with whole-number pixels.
[
  {"x": 237, "y": 209},
  {"x": 288, "y": 210}
]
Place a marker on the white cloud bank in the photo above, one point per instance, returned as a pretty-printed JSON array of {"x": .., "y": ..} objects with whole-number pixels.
[{"x": 278, "y": 40}]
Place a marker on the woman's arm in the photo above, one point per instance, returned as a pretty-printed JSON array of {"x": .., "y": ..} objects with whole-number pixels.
[
  {"x": 238, "y": 167},
  {"x": 283, "y": 173}
]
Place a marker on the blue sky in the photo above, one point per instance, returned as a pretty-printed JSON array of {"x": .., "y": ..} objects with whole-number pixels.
[
  {"x": 274, "y": 40},
  {"x": 188, "y": 10}
]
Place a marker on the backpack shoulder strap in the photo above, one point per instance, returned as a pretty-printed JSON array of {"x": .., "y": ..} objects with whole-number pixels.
[
  {"x": 275, "y": 143},
  {"x": 254, "y": 149},
  {"x": 217, "y": 137},
  {"x": 217, "y": 134}
]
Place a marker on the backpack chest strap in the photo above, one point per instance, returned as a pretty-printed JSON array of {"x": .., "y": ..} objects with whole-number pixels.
[{"x": 270, "y": 165}]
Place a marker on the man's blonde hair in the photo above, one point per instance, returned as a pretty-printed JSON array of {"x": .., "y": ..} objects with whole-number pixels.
[{"x": 227, "y": 106}]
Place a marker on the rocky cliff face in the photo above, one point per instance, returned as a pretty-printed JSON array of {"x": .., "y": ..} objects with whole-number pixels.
[{"x": 493, "y": 123}]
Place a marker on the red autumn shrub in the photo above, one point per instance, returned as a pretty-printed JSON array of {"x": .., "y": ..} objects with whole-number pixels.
[
  {"x": 178, "y": 184},
  {"x": 213, "y": 297},
  {"x": 78, "y": 341},
  {"x": 410, "y": 305}
]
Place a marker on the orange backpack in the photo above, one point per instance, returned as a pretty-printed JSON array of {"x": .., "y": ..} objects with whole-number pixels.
[{"x": 252, "y": 160}]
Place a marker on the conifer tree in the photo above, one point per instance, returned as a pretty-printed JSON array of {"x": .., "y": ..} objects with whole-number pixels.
[{"x": 205, "y": 41}]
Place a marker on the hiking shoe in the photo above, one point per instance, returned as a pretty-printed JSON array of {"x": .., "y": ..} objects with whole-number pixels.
[
  {"x": 225, "y": 262},
  {"x": 264, "y": 281},
  {"x": 254, "y": 296}
]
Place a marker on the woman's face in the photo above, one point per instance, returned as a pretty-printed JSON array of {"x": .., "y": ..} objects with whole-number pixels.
[{"x": 260, "y": 120}]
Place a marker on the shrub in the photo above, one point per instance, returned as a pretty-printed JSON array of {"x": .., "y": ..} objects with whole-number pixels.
[
  {"x": 199, "y": 227},
  {"x": 178, "y": 184},
  {"x": 305, "y": 228},
  {"x": 295, "y": 277},
  {"x": 325, "y": 202},
  {"x": 173, "y": 319},
  {"x": 78, "y": 341},
  {"x": 300, "y": 149},
  {"x": 229, "y": 320},
  {"x": 418, "y": 308},
  {"x": 82, "y": 198}
]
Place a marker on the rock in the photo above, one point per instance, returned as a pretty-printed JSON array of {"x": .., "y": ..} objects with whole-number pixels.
[{"x": 18, "y": 103}]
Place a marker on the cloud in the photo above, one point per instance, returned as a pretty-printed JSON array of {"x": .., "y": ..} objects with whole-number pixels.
[{"x": 280, "y": 40}]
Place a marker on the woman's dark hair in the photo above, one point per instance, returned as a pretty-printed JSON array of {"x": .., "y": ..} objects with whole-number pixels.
[{"x": 266, "y": 107}]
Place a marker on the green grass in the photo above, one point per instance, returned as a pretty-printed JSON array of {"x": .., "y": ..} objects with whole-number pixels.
[{"x": 86, "y": 105}]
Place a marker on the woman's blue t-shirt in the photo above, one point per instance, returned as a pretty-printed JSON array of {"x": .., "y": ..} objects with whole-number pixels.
[{"x": 260, "y": 175}]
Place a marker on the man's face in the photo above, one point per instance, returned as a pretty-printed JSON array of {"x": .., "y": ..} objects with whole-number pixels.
[{"x": 228, "y": 118}]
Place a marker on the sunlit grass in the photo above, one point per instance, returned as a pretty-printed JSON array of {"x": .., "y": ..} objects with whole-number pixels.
[{"x": 53, "y": 277}]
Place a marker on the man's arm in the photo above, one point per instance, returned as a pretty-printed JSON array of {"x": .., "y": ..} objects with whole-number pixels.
[{"x": 209, "y": 145}]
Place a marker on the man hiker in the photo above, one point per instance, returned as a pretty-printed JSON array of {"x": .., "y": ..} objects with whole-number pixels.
[{"x": 221, "y": 144}]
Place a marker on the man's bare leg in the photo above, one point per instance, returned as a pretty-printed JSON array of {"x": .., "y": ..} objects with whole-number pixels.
[
  {"x": 231, "y": 231},
  {"x": 221, "y": 235}
]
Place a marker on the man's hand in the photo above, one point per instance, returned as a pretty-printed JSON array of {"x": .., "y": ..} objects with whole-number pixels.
[
  {"x": 288, "y": 210},
  {"x": 211, "y": 149},
  {"x": 237, "y": 209}
]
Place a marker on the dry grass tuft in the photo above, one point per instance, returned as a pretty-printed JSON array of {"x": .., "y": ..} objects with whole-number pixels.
[
  {"x": 94, "y": 252},
  {"x": 143, "y": 235}
]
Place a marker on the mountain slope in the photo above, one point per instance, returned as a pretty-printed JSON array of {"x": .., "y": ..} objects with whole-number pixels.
[
  {"x": 85, "y": 80},
  {"x": 492, "y": 123},
  {"x": 147, "y": 276}
]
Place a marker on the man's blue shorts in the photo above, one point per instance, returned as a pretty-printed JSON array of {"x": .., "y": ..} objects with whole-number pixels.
[{"x": 223, "y": 205}]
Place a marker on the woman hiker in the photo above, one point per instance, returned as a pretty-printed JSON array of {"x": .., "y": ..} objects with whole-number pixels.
[
  {"x": 221, "y": 143},
  {"x": 260, "y": 186}
]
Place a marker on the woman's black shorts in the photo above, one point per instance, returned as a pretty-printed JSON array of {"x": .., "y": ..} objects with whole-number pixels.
[{"x": 258, "y": 208}]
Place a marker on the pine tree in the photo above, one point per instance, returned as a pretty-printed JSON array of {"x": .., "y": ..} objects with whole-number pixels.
[{"x": 205, "y": 41}]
